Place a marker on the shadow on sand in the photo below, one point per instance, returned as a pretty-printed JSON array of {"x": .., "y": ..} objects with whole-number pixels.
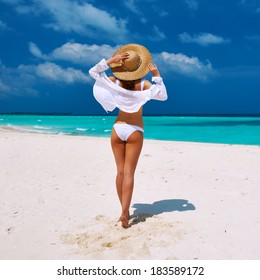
[{"x": 143, "y": 211}]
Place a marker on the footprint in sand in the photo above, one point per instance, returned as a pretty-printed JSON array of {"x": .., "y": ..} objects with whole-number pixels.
[
  {"x": 100, "y": 218},
  {"x": 107, "y": 244},
  {"x": 101, "y": 239},
  {"x": 147, "y": 155},
  {"x": 10, "y": 230}
]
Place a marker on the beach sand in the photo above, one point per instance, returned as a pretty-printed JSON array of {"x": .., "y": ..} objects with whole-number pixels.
[{"x": 191, "y": 200}]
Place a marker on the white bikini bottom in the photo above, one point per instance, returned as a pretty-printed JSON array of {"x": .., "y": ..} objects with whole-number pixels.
[{"x": 124, "y": 130}]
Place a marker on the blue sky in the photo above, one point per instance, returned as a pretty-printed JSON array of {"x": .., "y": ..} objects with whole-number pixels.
[{"x": 208, "y": 53}]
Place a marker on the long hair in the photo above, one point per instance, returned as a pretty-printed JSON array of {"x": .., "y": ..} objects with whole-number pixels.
[{"x": 128, "y": 84}]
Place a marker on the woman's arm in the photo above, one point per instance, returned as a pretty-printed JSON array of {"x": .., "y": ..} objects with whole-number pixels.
[
  {"x": 103, "y": 65},
  {"x": 118, "y": 59},
  {"x": 96, "y": 71},
  {"x": 158, "y": 90},
  {"x": 155, "y": 73},
  {"x": 154, "y": 70}
]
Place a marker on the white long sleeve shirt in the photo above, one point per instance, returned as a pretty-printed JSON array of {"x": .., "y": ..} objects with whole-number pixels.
[{"x": 111, "y": 95}]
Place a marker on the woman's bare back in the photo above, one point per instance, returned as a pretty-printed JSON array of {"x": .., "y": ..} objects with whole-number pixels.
[{"x": 132, "y": 118}]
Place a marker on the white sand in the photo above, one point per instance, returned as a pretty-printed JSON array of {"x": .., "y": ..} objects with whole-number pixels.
[{"x": 191, "y": 200}]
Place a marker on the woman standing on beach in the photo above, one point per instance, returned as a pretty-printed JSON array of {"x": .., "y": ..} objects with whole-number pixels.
[{"x": 128, "y": 91}]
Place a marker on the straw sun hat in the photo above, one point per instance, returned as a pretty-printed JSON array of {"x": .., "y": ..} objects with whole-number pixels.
[{"x": 135, "y": 66}]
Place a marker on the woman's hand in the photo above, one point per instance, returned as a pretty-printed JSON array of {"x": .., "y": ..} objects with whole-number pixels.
[
  {"x": 118, "y": 58},
  {"x": 154, "y": 70}
]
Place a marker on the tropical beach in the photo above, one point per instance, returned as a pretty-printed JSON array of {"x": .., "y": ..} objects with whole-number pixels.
[
  {"x": 80, "y": 111},
  {"x": 192, "y": 201}
]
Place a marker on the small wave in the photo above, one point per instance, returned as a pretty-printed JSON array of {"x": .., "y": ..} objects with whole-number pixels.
[
  {"x": 107, "y": 130},
  {"x": 39, "y": 120},
  {"x": 8, "y": 125},
  {"x": 42, "y": 127},
  {"x": 27, "y": 129},
  {"x": 1, "y": 119},
  {"x": 81, "y": 129},
  {"x": 39, "y": 131}
]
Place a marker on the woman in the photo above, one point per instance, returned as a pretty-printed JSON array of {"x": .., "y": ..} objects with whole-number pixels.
[{"x": 127, "y": 91}]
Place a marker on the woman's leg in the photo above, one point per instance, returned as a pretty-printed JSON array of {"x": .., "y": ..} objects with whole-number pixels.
[
  {"x": 133, "y": 149},
  {"x": 118, "y": 147},
  {"x": 126, "y": 157}
]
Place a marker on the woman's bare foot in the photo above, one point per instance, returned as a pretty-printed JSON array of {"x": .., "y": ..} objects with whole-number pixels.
[{"x": 124, "y": 221}]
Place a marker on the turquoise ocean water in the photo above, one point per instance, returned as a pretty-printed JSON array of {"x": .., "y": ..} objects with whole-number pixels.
[{"x": 226, "y": 130}]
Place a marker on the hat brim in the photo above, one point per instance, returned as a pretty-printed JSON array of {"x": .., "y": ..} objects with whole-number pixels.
[{"x": 128, "y": 75}]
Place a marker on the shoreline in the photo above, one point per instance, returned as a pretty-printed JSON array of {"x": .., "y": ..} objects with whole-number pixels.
[
  {"x": 12, "y": 129},
  {"x": 191, "y": 200}
]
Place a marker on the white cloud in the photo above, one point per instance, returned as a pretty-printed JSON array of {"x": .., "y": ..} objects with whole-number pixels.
[
  {"x": 33, "y": 9},
  {"x": 25, "y": 79},
  {"x": 36, "y": 51},
  {"x": 85, "y": 19},
  {"x": 3, "y": 87},
  {"x": 192, "y": 4},
  {"x": 14, "y": 81},
  {"x": 3, "y": 26},
  {"x": 11, "y": 2},
  {"x": 21, "y": 7},
  {"x": 157, "y": 35},
  {"x": 163, "y": 13},
  {"x": 75, "y": 17},
  {"x": 82, "y": 54},
  {"x": 54, "y": 72},
  {"x": 184, "y": 65},
  {"x": 252, "y": 5},
  {"x": 132, "y": 6},
  {"x": 202, "y": 39},
  {"x": 140, "y": 8},
  {"x": 143, "y": 20}
]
